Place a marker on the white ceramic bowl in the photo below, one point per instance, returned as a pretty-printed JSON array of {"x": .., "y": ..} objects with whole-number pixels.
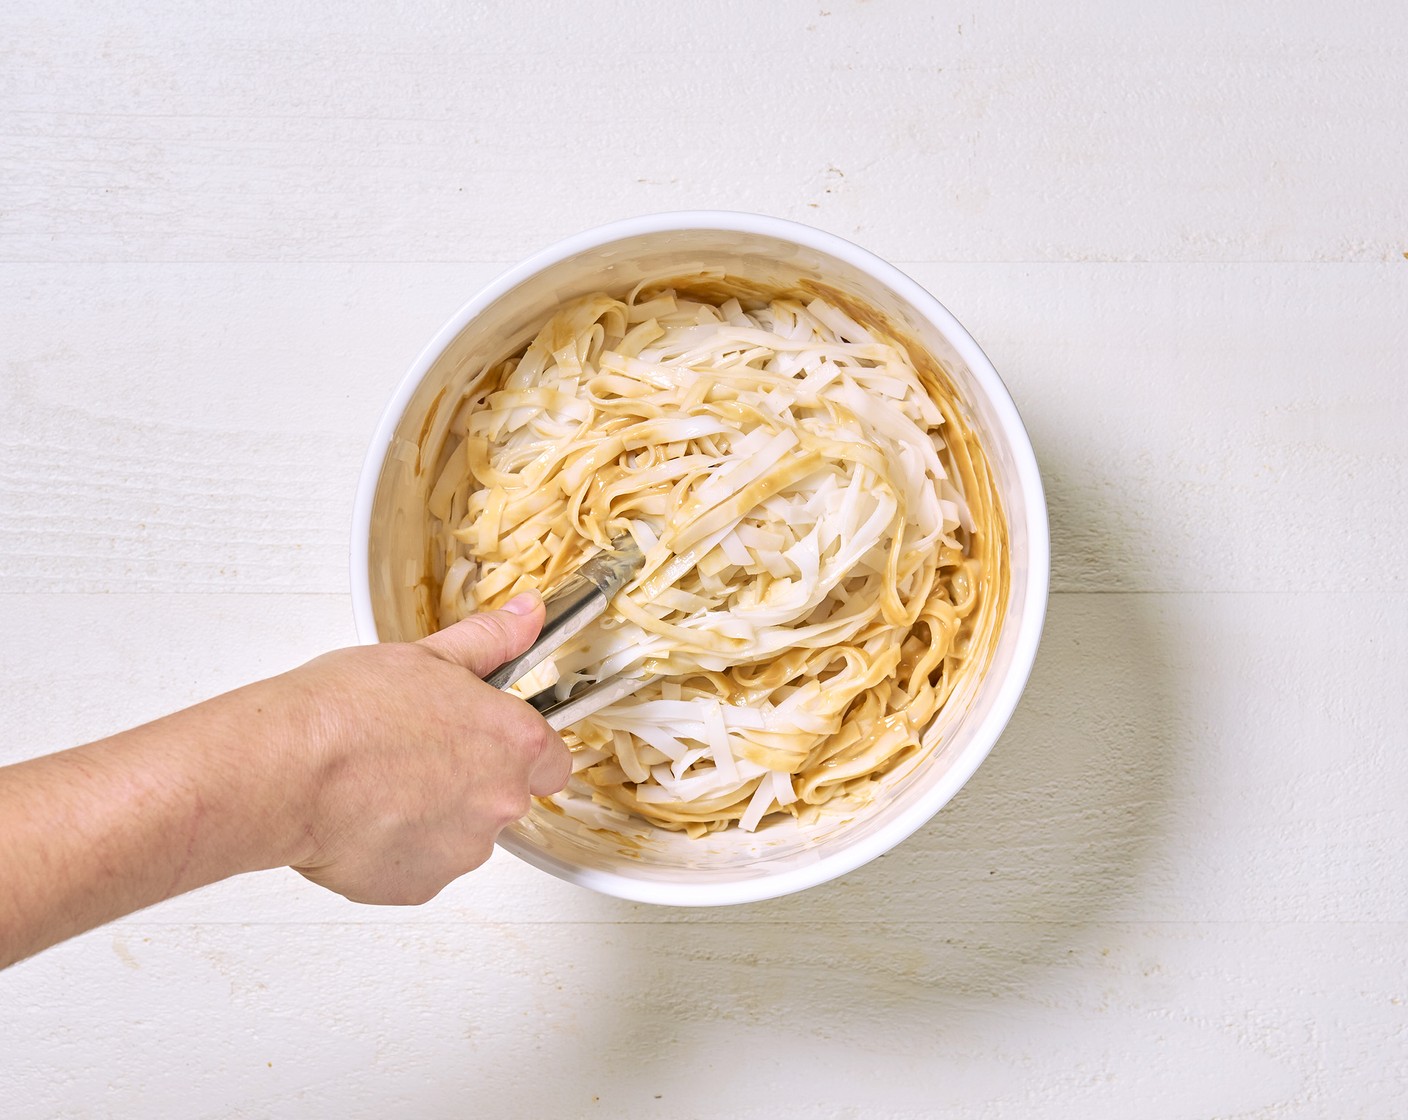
[{"x": 390, "y": 529}]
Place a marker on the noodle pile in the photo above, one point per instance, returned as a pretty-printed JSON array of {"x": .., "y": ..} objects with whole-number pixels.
[{"x": 818, "y": 554}]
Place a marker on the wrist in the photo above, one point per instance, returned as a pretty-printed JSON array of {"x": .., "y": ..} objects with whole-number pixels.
[{"x": 255, "y": 752}]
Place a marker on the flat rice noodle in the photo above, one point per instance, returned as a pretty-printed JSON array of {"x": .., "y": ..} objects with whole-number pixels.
[{"x": 821, "y": 541}]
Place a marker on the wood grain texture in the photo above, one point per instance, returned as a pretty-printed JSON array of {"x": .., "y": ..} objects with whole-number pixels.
[
  {"x": 1156, "y": 735},
  {"x": 1176, "y": 889},
  {"x": 202, "y": 427},
  {"x": 441, "y": 131},
  {"x": 935, "y": 1019}
]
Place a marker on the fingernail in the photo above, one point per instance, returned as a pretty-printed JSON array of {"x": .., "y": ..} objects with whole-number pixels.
[{"x": 523, "y": 603}]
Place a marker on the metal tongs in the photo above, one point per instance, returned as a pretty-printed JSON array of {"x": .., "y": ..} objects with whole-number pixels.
[{"x": 580, "y": 600}]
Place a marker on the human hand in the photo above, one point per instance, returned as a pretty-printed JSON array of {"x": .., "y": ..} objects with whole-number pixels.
[
  {"x": 380, "y": 772},
  {"x": 419, "y": 763}
]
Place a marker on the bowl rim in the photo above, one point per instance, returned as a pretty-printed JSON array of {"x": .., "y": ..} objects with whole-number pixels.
[{"x": 1029, "y": 624}]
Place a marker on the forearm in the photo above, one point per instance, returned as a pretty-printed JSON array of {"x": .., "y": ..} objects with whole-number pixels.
[
  {"x": 380, "y": 772},
  {"x": 95, "y": 832}
]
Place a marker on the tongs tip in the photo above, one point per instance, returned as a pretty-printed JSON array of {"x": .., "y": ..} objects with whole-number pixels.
[
  {"x": 625, "y": 546},
  {"x": 616, "y": 566}
]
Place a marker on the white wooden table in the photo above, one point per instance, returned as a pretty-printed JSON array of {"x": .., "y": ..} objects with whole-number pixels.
[{"x": 1178, "y": 888}]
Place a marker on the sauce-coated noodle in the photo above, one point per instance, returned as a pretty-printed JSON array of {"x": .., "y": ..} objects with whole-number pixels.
[{"x": 821, "y": 543}]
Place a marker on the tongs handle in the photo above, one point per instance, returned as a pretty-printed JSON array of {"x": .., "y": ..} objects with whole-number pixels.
[
  {"x": 583, "y": 702},
  {"x": 577, "y": 602}
]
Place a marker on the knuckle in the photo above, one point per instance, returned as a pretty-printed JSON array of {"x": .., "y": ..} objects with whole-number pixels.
[
  {"x": 498, "y": 634},
  {"x": 528, "y": 730},
  {"x": 551, "y": 742},
  {"x": 513, "y": 806},
  {"x": 418, "y": 895},
  {"x": 492, "y": 627},
  {"x": 371, "y": 888},
  {"x": 476, "y": 855}
]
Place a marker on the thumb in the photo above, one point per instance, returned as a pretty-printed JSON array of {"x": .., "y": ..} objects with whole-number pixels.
[{"x": 484, "y": 641}]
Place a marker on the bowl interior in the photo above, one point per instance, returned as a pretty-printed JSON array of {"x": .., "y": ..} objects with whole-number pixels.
[{"x": 733, "y": 865}]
